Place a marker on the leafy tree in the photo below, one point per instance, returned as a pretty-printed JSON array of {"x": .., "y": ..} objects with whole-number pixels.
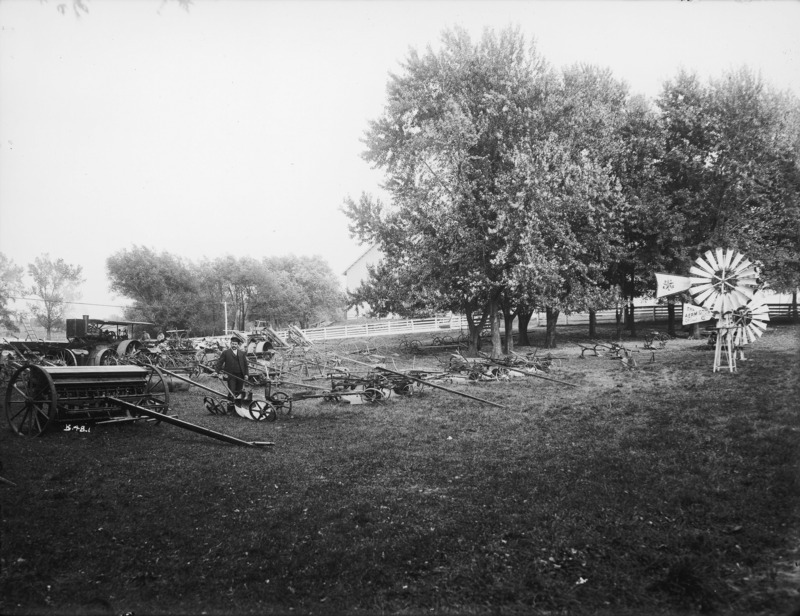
[
  {"x": 10, "y": 286},
  {"x": 308, "y": 288},
  {"x": 163, "y": 286},
  {"x": 239, "y": 280},
  {"x": 444, "y": 143},
  {"x": 55, "y": 283},
  {"x": 731, "y": 169},
  {"x": 566, "y": 202},
  {"x": 174, "y": 293}
]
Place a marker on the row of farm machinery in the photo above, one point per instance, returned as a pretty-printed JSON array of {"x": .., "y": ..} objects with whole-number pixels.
[{"x": 100, "y": 375}]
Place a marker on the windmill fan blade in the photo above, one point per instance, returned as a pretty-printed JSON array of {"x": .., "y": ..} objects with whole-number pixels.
[
  {"x": 742, "y": 266},
  {"x": 703, "y": 298},
  {"x": 736, "y": 259},
  {"x": 702, "y": 287},
  {"x": 712, "y": 261},
  {"x": 723, "y": 258},
  {"x": 746, "y": 272},
  {"x": 703, "y": 267},
  {"x": 701, "y": 273},
  {"x": 746, "y": 283},
  {"x": 745, "y": 336},
  {"x": 740, "y": 296}
]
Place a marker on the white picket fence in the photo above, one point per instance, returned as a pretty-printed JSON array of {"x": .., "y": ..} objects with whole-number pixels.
[
  {"x": 385, "y": 327},
  {"x": 458, "y": 323}
]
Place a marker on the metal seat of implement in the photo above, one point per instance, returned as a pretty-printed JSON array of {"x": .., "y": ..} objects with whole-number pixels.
[{"x": 38, "y": 397}]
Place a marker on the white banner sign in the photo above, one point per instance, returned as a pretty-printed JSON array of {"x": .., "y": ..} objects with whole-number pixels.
[
  {"x": 695, "y": 314},
  {"x": 668, "y": 285}
]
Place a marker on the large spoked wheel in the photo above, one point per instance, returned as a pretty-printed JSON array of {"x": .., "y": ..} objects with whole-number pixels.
[
  {"x": 65, "y": 357},
  {"x": 261, "y": 409},
  {"x": 31, "y": 401},
  {"x": 107, "y": 357},
  {"x": 156, "y": 392}
]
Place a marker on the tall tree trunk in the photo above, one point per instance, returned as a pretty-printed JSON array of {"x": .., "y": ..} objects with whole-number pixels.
[
  {"x": 523, "y": 321},
  {"x": 671, "y": 316},
  {"x": 621, "y": 310},
  {"x": 494, "y": 315},
  {"x": 550, "y": 331},
  {"x": 632, "y": 313},
  {"x": 508, "y": 326},
  {"x": 794, "y": 306},
  {"x": 592, "y": 323},
  {"x": 475, "y": 329}
]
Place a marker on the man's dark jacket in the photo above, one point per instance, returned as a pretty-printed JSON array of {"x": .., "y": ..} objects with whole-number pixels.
[{"x": 232, "y": 365}]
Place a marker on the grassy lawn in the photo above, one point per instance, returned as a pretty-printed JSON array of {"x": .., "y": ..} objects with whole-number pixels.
[{"x": 667, "y": 489}]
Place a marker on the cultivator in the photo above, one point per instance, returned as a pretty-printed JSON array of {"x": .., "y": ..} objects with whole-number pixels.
[{"x": 38, "y": 398}]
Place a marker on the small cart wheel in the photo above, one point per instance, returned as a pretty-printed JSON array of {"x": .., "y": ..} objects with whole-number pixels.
[
  {"x": 212, "y": 406},
  {"x": 261, "y": 410},
  {"x": 282, "y": 403},
  {"x": 372, "y": 394},
  {"x": 31, "y": 402},
  {"x": 404, "y": 389}
]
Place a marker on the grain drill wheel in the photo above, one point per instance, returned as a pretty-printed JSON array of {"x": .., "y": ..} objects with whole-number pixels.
[
  {"x": 156, "y": 392},
  {"x": 261, "y": 410},
  {"x": 31, "y": 401}
]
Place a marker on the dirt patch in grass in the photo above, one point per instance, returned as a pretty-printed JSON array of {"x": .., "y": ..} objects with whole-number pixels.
[{"x": 666, "y": 489}]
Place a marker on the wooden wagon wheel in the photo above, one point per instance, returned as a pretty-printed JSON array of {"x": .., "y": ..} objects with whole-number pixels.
[
  {"x": 156, "y": 392},
  {"x": 31, "y": 401}
]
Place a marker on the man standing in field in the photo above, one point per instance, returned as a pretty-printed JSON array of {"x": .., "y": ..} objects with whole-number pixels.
[{"x": 233, "y": 364}]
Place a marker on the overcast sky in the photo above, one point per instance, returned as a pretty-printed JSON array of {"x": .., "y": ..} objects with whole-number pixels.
[{"x": 235, "y": 127}]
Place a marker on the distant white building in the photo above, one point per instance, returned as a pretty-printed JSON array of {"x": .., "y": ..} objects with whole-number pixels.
[{"x": 357, "y": 272}]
